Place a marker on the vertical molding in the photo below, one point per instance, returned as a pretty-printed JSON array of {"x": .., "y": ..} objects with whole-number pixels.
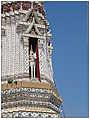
[
  {"x": 12, "y": 50},
  {"x": 21, "y": 55},
  {"x": 17, "y": 52},
  {"x": 3, "y": 55},
  {"x": 51, "y": 69},
  {"x": 26, "y": 55},
  {"x": 13, "y": 47},
  {"x": 26, "y": 60},
  {"x": 8, "y": 46}
]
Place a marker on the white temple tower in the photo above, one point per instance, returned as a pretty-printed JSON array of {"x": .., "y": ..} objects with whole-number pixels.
[{"x": 28, "y": 88}]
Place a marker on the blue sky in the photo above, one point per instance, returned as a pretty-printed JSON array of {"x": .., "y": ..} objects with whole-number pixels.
[{"x": 69, "y": 25}]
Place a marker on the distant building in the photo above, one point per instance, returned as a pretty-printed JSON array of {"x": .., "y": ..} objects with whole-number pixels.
[{"x": 28, "y": 88}]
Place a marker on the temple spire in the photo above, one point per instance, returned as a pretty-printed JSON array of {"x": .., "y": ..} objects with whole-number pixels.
[{"x": 28, "y": 86}]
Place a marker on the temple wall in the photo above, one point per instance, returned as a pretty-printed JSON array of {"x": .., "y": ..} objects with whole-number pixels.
[
  {"x": 45, "y": 65},
  {"x": 12, "y": 51},
  {"x": 17, "y": 58}
]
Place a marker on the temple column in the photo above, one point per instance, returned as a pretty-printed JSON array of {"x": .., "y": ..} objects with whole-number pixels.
[{"x": 26, "y": 55}]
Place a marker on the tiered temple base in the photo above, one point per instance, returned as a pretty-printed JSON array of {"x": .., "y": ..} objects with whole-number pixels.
[{"x": 29, "y": 99}]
